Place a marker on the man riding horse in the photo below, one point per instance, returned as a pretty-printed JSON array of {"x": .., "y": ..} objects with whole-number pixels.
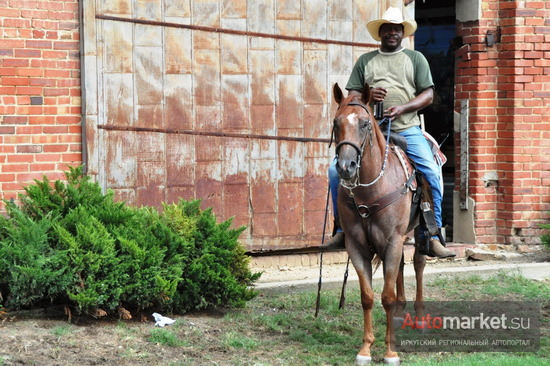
[{"x": 401, "y": 79}]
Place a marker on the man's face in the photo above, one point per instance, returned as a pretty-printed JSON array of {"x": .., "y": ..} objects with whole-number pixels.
[{"x": 391, "y": 36}]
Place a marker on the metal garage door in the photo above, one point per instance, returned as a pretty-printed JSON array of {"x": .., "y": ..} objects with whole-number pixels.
[{"x": 227, "y": 101}]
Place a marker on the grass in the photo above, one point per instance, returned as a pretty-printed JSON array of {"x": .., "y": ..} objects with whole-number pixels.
[
  {"x": 282, "y": 329},
  {"x": 61, "y": 330},
  {"x": 165, "y": 337},
  {"x": 274, "y": 330}
]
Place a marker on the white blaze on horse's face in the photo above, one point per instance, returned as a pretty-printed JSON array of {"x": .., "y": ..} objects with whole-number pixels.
[{"x": 353, "y": 119}]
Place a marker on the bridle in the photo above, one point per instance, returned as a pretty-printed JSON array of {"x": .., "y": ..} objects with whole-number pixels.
[{"x": 354, "y": 182}]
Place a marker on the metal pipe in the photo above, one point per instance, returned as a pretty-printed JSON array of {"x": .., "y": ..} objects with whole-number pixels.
[
  {"x": 234, "y": 32},
  {"x": 210, "y": 133}
]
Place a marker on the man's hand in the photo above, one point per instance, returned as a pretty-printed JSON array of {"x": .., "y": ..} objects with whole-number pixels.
[
  {"x": 422, "y": 100},
  {"x": 378, "y": 94},
  {"x": 394, "y": 112}
]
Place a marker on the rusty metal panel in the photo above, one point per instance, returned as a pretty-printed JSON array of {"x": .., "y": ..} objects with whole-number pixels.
[
  {"x": 315, "y": 77},
  {"x": 116, "y": 7},
  {"x": 147, "y": 9},
  {"x": 236, "y": 103},
  {"x": 262, "y": 75},
  {"x": 180, "y": 158},
  {"x": 236, "y": 166},
  {"x": 178, "y": 101},
  {"x": 207, "y": 77},
  {"x": 317, "y": 13},
  {"x": 117, "y": 42},
  {"x": 119, "y": 99},
  {"x": 120, "y": 159},
  {"x": 226, "y": 101},
  {"x": 290, "y": 210},
  {"x": 148, "y": 76},
  {"x": 177, "y": 9},
  {"x": 178, "y": 56}
]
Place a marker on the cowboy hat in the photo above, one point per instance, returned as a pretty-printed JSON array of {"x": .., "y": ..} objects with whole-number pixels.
[{"x": 394, "y": 16}]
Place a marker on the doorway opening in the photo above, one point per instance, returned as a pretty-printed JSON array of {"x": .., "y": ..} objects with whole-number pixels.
[{"x": 434, "y": 39}]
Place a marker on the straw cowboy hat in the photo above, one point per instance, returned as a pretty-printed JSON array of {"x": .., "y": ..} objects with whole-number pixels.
[{"x": 394, "y": 16}]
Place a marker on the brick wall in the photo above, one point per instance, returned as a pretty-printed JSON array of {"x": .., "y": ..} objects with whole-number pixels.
[
  {"x": 508, "y": 86},
  {"x": 40, "y": 130}
]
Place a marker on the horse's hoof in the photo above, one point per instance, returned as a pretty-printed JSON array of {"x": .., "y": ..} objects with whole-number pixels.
[
  {"x": 422, "y": 326},
  {"x": 398, "y": 322},
  {"x": 392, "y": 361},
  {"x": 363, "y": 360}
]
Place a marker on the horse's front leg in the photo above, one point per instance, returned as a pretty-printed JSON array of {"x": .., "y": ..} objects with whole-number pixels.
[
  {"x": 363, "y": 266},
  {"x": 392, "y": 265}
]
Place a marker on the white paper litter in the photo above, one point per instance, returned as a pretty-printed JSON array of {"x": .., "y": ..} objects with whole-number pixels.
[{"x": 161, "y": 321}]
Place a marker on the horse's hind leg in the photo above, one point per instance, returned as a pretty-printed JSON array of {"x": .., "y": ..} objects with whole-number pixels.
[
  {"x": 401, "y": 298},
  {"x": 419, "y": 261}
]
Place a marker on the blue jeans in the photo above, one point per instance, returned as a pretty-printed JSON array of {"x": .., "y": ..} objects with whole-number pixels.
[{"x": 419, "y": 151}]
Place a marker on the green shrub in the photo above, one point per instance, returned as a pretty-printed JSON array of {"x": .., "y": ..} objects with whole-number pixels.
[
  {"x": 546, "y": 237},
  {"x": 69, "y": 244}
]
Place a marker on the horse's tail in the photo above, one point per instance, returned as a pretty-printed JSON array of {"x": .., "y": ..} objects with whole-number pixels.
[{"x": 376, "y": 261}]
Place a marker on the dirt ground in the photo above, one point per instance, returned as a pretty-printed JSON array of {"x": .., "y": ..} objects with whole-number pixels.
[
  {"x": 45, "y": 341},
  {"x": 44, "y": 337}
]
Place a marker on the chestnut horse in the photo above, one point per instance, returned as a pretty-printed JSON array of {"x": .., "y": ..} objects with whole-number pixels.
[{"x": 374, "y": 203}]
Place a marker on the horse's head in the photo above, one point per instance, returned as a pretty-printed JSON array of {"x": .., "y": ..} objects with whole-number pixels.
[{"x": 353, "y": 127}]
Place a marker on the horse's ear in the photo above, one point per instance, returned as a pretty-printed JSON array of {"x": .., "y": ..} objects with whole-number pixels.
[
  {"x": 365, "y": 94},
  {"x": 338, "y": 95}
]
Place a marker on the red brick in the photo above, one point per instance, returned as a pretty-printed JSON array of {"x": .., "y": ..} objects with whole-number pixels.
[
  {"x": 71, "y": 157},
  {"x": 20, "y": 159},
  {"x": 42, "y": 167},
  {"x": 41, "y": 44},
  {"x": 29, "y": 149},
  {"x": 14, "y": 120},
  {"x": 7, "y": 177},
  {"x": 30, "y": 72},
  {"x": 15, "y": 168},
  {"x": 7, "y": 130},
  {"x": 27, "y": 130},
  {"x": 15, "y": 62}
]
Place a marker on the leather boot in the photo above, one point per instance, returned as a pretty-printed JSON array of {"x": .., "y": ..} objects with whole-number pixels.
[
  {"x": 438, "y": 250},
  {"x": 337, "y": 240}
]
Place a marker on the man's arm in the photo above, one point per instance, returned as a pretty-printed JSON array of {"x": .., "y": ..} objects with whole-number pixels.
[{"x": 422, "y": 100}]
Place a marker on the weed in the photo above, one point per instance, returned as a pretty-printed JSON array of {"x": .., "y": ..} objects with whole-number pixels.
[
  {"x": 239, "y": 341},
  {"x": 165, "y": 337},
  {"x": 61, "y": 331},
  {"x": 133, "y": 353}
]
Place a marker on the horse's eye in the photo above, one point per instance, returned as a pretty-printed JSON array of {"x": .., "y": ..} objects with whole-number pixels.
[{"x": 364, "y": 123}]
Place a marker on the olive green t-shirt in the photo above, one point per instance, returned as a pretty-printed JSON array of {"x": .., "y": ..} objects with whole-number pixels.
[{"x": 404, "y": 74}]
